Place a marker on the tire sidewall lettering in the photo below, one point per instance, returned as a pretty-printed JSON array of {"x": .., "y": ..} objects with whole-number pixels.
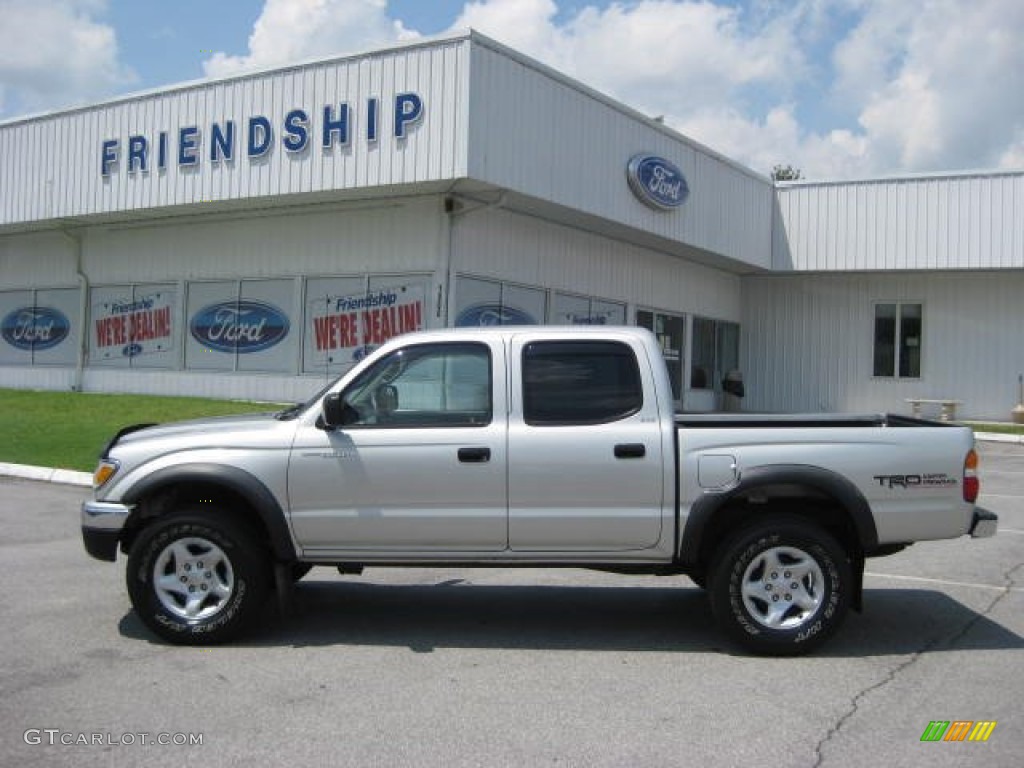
[
  {"x": 735, "y": 557},
  {"x": 238, "y": 545}
]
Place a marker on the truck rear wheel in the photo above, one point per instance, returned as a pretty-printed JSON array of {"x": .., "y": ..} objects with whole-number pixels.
[
  {"x": 780, "y": 587},
  {"x": 196, "y": 578}
]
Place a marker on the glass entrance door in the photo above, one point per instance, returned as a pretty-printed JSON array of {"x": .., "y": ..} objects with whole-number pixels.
[{"x": 670, "y": 330}]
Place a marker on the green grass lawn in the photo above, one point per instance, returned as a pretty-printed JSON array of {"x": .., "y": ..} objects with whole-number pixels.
[
  {"x": 68, "y": 429},
  {"x": 1002, "y": 429}
]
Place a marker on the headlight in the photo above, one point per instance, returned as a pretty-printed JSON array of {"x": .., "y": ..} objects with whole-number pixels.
[{"x": 104, "y": 471}]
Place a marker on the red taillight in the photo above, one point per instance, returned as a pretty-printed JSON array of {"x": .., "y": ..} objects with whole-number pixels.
[{"x": 972, "y": 485}]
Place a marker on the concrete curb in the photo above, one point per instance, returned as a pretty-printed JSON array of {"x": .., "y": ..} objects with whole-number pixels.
[
  {"x": 993, "y": 437},
  {"x": 71, "y": 477},
  {"x": 46, "y": 474}
]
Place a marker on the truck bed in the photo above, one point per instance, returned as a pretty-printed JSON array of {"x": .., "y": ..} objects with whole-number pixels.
[{"x": 809, "y": 420}]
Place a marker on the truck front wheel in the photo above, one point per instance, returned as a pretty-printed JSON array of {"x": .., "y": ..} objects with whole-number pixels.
[
  {"x": 196, "y": 578},
  {"x": 780, "y": 587}
]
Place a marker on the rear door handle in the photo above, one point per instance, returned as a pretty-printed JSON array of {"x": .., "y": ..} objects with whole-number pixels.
[
  {"x": 630, "y": 451},
  {"x": 474, "y": 455}
]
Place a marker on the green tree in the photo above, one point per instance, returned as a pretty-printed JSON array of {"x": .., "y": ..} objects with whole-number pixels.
[{"x": 785, "y": 173}]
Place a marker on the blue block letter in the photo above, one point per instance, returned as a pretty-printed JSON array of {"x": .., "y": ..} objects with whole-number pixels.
[
  {"x": 108, "y": 156},
  {"x": 408, "y": 109},
  {"x": 260, "y": 136}
]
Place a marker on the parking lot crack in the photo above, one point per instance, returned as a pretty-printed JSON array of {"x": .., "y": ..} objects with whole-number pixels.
[{"x": 1009, "y": 582}]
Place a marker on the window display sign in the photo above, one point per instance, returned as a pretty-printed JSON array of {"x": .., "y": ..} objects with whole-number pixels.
[
  {"x": 485, "y": 302},
  {"x": 36, "y": 326},
  {"x": 342, "y": 329},
  {"x": 133, "y": 325},
  {"x": 240, "y": 326},
  {"x": 568, "y": 309}
]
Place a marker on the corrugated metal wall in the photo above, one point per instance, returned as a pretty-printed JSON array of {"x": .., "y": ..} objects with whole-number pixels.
[
  {"x": 532, "y": 251},
  {"x": 386, "y": 236},
  {"x": 807, "y": 341},
  {"x": 973, "y": 221},
  {"x": 391, "y": 235},
  {"x": 51, "y": 167},
  {"x": 536, "y": 132}
]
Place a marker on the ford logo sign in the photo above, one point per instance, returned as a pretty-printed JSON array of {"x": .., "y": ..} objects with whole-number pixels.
[
  {"x": 657, "y": 182},
  {"x": 239, "y": 326},
  {"x": 35, "y": 328},
  {"x": 132, "y": 350},
  {"x": 480, "y": 315}
]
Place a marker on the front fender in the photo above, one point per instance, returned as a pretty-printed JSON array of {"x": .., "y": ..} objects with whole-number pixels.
[{"x": 245, "y": 485}]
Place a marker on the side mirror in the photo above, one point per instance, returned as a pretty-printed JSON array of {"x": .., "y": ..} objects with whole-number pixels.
[{"x": 337, "y": 412}]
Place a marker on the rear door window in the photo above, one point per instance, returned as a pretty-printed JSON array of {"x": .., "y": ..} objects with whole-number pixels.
[{"x": 569, "y": 383}]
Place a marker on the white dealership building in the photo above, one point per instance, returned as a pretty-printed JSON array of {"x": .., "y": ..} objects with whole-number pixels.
[{"x": 251, "y": 237}]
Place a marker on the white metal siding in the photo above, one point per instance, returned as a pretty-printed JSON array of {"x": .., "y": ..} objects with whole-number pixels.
[
  {"x": 50, "y": 167},
  {"x": 38, "y": 260},
  {"x": 952, "y": 222},
  {"x": 531, "y": 251},
  {"x": 388, "y": 236},
  {"x": 807, "y": 341},
  {"x": 538, "y": 133}
]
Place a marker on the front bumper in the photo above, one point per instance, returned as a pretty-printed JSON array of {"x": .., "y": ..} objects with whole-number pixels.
[
  {"x": 102, "y": 522},
  {"x": 983, "y": 523}
]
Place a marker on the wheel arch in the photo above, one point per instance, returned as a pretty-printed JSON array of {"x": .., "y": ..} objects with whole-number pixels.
[
  {"x": 231, "y": 486},
  {"x": 818, "y": 494}
]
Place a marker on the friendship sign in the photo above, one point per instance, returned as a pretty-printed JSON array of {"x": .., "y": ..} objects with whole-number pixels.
[
  {"x": 133, "y": 328},
  {"x": 345, "y": 329}
]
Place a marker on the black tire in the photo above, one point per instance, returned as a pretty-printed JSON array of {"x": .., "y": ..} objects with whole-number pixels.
[
  {"x": 780, "y": 587},
  {"x": 215, "y": 576}
]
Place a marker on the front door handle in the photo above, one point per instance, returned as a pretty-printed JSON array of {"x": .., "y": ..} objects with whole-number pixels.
[
  {"x": 630, "y": 451},
  {"x": 474, "y": 455}
]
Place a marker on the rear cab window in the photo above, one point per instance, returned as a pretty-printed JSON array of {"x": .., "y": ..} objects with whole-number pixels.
[{"x": 580, "y": 382}]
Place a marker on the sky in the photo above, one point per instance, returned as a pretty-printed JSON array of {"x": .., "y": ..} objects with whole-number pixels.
[{"x": 839, "y": 89}]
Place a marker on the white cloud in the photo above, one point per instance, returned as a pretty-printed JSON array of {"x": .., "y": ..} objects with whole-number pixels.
[
  {"x": 949, "y": 99},
  {"x": 292, "y": 30},
  {"x": 838, "y": 88},
  {"x": 54, "y": 53},
  {"x": 658, "y": 55}
]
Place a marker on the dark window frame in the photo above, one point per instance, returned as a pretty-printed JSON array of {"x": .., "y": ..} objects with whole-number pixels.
[
  {"x": 535, "y": 416},
  {"x": 896, "y": 360},
  {"x": 486, "y": 418}
]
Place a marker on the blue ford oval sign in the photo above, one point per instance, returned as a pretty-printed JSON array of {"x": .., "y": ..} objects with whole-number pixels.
[
  {"x": 35, "y": 328},
  {"x": 480, "y": 315},
  {"x": 657, "y": 182},
  {"x": 239, "y": 326}
]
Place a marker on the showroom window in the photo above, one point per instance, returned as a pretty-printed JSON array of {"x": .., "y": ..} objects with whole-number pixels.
[
  {"x": 669, "y": 330},
  {"x": 491, "y": 302},
  {"x": 134, "y": 326},
  {"x": 572, "y": 309},
  {"x": 241, "y": 325},
  {"x": 348, "y": 317},
  {"x": 716, "y": 352},
  {"x": 897, "y": 340},
  {"x": 39, "y": 326}
]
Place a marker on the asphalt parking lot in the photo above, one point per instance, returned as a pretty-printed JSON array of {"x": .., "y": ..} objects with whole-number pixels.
[{"x": 509, "y": 667}]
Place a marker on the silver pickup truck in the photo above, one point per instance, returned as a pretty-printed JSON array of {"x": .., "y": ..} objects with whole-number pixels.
[{"x": 525, "y": 446}]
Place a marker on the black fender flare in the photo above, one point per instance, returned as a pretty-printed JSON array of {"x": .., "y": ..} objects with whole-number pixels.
[
  {"x": 238, "y": 481},
  {"x": 821, "y": 480}
]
